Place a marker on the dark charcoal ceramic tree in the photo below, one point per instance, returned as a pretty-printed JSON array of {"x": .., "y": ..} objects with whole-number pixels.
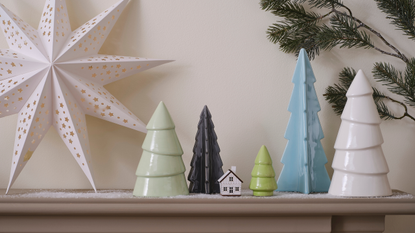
[{"x": 206, "y": 162}]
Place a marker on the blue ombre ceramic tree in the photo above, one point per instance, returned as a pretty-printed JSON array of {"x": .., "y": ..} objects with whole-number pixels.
[{"x": 304, "y": 157}]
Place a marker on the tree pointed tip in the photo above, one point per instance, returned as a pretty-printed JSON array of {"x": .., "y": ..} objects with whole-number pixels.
[
  {"x": 206, "y": 112},
  {"x": 263, "y": 150},
  {"x": 360, "y": 86},
  {"x": 303, "y": 72},
  {"x": 303, "y": 56},
  {"x": 161, "y": 107},
  {"x": 161, "y": 118},
  {"x": 303, "y": 52},
  {"x": 263, "y": 156}
]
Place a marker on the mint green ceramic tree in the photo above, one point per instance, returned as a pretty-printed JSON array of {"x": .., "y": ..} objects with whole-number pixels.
[
  {"x": 263, "y": 175},
  {"x": 161, "y": 169}
]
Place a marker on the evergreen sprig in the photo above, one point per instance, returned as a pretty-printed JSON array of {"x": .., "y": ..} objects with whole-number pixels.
[
  {"x": 343, "y": 32},
  {"x": 301, "y": 28},
  {"x": 400, "y": 83},
  {"x": 402, "y": 14},
  {"x": 336, "y": 95},
  {"x": 391, "y": 78},
  {"x": 299, "y": 25},
  {"x": 323, "y": 3}
]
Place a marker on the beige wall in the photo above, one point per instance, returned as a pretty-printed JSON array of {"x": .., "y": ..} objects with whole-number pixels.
[{"x": 224, "y": 60}]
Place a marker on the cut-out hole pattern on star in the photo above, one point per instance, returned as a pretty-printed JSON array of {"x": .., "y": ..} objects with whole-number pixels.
[{"x": 53, "y": 76}]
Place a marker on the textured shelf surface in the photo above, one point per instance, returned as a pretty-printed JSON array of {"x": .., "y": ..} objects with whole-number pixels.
[
  {"x": 64, "y": 195},
  {"x": 118, "y": 211},
  {"x": 41, "y": 202}
]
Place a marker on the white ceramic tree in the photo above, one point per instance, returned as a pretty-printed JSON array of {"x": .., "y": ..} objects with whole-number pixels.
[{"x": 360, "y": 168}]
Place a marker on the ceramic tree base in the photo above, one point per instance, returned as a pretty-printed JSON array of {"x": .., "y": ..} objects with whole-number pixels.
[
  {"x": 347, "y": 184},
  {"x": 360, "y": 167},
  {"x": 262, "y": 194},
  {"x": 161, "y": 186}
]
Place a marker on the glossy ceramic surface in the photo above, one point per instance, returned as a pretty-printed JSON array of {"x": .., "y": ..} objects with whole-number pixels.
[
  {"x": 206, "y": 164},
  {"x": 359, "y": 164},
  {"x": 353, "y": 135},
  {"x": 304, "y": 157},
  {"x": 359, "y": 185},
  {"x": 161, "y": 169},
  {"x": 367, "y": 161},
  {"x": 263, "y": 174}
]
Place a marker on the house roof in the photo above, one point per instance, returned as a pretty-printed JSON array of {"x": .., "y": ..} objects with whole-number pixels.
[{"x": 227, "y": 174}]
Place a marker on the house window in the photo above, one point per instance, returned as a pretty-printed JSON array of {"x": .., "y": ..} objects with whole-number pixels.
[
  {"x": 225, "y": 189},
  {"x": 230, "y": 178},
  {"x": 236, "y": 189},
  {"x": 230, "y": 189}
]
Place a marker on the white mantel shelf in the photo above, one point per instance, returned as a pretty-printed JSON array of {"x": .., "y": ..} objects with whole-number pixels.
[{"x": 118, "y": 211}]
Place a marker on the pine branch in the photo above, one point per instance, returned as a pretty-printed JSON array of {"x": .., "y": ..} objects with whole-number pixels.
[
  {"x": 298, "y": 29},
  {"x": 409, "y": 78},
  {"x": 347, "y": 76},
  {"x": 294, "y": 13},
  {"x": 395, "y": 81},
  {"x": 301, "y": 39},
  {"x": 336, "y": 96},
  {"x": 272, "y": 4},
  {"x": 344, "y": 33},
  {"x": 361, "y": 24},
  {"x": 296, "y": 19},
  {"x": 323, "y": 3},
  {"x": 402, "y": 14},
  {"x": 305, "y": 29},
  {"x": 405, "y": 114},
  {"x": 384, "y": 112}
]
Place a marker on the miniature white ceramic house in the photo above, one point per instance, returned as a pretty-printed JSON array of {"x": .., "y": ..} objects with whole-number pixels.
[{"x": 230, "y": 184}]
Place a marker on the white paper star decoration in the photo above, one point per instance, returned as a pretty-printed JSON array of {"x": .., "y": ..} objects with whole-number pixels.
[{"x": 53, "y": 76}]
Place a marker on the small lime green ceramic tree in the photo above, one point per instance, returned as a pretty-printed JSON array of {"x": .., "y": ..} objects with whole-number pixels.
[
  {"x": 161, "y": 168},
  {"x": 263, "y": 175}
]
